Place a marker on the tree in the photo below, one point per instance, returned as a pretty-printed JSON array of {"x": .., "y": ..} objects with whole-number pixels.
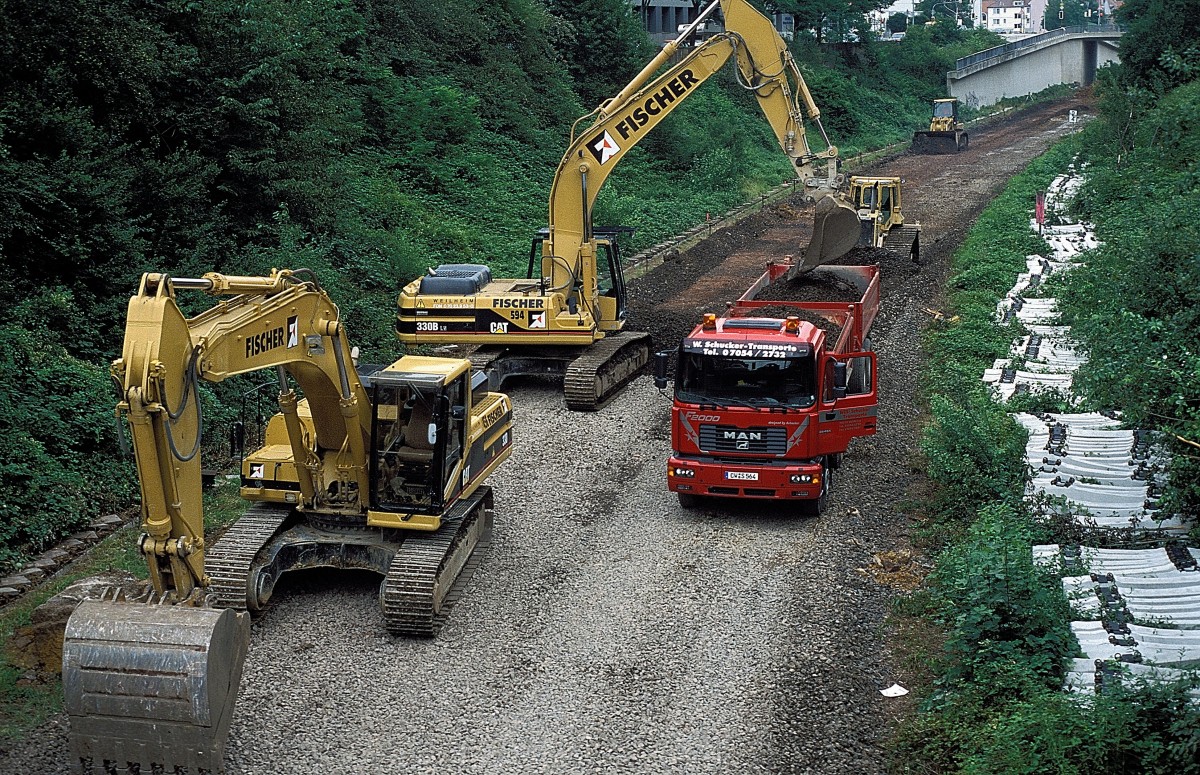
[
  {"x": 604, "y": 45},
  {"x": 834, "y": 20},
  {"x": 1070, "y": 13},
  {"x": 1159, "y": 49}
]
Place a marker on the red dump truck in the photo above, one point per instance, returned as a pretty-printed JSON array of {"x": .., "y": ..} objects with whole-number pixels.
[{"x": 768, "y": 397}]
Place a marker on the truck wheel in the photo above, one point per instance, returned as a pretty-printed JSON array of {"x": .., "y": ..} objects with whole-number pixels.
[{"x": 688, "y": 501}]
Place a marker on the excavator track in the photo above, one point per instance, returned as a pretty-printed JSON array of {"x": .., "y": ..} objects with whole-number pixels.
[
  {"x": 904, "y": 241},
  {"x": 229, "y": 561},
  {"x": 429, "y": 572},
  {"x": 595, "y": 377}
]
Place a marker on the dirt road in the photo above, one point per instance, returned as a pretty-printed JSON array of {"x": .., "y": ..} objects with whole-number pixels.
[{"x": 609, "y": 630}]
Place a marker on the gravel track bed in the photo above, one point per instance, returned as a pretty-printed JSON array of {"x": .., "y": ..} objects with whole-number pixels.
[{"x": 608, "y": 629}]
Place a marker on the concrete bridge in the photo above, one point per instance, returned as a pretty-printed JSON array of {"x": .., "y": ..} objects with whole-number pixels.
[{"x": 1065, "y": 55}]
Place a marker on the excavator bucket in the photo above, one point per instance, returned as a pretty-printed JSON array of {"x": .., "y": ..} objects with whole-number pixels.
[
  {"x": 151, "y": 688},
  {"x": 835, "y": 233}
]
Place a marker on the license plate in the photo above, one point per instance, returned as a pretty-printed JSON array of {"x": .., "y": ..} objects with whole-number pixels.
[{"x": 749, "y": 476}]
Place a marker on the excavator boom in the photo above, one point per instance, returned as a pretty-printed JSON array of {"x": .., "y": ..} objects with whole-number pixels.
[{"x": 765, "y": 67}]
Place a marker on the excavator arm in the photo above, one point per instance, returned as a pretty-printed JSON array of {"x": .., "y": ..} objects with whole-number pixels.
[
  {"x": 280, "y": 322},
  {"x": 154, "y": 686},
  {"x": 764, "y": 66}
]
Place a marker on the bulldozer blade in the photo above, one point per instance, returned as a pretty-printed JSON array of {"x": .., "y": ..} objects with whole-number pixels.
[
  {"x": 151, "y": 686},
  {"x": 836, "y": 231},
  {"x": 928, "y": 142}
]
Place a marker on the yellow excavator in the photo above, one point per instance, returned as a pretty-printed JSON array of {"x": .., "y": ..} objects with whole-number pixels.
[
  {"x": 946, "y": 134},
  {"x": 375, "y": 468},
  {"x": 568, "y": 315}
]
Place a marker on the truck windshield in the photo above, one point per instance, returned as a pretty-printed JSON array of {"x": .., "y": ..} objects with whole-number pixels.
[{"x": 709, "y": 379}]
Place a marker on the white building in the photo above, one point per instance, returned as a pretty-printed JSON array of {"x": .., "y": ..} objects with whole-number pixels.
[{"x": 1009, "y": 17}]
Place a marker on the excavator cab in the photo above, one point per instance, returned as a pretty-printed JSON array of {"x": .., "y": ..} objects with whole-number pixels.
[
  {"x": 418, "y": 437},
  {"x": 612, "y": 295}
]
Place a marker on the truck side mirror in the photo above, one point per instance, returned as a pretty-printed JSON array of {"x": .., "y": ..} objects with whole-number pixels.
[
  {"x": 660, "y": 369},
  {"x": 839, "y": 379}
]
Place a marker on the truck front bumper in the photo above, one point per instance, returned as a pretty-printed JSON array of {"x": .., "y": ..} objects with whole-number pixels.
[{"x": 752, "y": 479}]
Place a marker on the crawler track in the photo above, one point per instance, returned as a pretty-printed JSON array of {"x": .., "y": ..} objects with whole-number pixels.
[
  {"x": 229, "y": 562},
  {"x": 431, "y": 570},
  {"x": 595, "y": 377}
]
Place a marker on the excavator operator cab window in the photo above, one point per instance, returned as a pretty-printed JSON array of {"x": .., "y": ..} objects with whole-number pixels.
[
  {"x": 456, "y": 428},
  {"x": 605, "y": 268},
  {"x": 408, "y": 441},
  {"x": 943, "y": 109}
]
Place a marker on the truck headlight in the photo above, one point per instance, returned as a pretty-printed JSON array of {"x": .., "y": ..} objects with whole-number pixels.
[
  {"x": 686, "y": 473},
  {"x": 801, "y": 479}
]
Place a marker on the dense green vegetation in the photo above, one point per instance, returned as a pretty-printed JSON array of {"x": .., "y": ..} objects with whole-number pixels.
[
  {"x": 363, "y": 140},
  {"x": 1001, "y": 639},
  {"x": 1136, "y": 305}
]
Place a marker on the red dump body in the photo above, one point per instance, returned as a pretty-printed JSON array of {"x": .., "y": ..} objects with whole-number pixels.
[{"x": 762, "y": 409}]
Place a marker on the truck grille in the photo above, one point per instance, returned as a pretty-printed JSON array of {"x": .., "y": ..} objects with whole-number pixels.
[{"x": 729, "y": 438}]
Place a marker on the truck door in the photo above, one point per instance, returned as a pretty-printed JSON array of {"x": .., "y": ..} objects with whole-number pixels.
[{"x": 846, "y": 414}]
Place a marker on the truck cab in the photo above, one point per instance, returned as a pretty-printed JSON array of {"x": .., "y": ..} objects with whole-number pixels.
[{"x": 764, "y": 407}]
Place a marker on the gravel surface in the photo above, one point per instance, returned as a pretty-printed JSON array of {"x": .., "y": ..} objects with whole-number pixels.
[{"x": 609, "y": 630}]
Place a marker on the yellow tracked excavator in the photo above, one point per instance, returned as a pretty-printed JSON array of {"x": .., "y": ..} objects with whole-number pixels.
[
  {"x": 375, "y": 468},
  {"x": 568, "y": 315}
]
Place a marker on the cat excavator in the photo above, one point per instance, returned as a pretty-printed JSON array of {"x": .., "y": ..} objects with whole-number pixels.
[
  {"x": 568, "y": 315},
  {"x": 374, "y": 468}
]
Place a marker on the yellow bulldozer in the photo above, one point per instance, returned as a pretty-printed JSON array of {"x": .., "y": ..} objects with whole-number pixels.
[
  {"x": 878, "y": 202},
  {"x": 374, "y": 468},
  {"x": 946, "y": 134}
]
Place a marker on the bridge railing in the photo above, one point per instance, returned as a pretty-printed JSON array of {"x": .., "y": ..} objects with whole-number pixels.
[{"x": 1016, "y": 45}]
